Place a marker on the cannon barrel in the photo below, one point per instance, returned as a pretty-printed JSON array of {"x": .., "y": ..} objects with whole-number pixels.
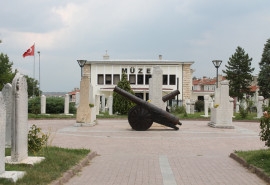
[
  {"x": 170, "y": 95},
  {"x": 158, "y": 115}
]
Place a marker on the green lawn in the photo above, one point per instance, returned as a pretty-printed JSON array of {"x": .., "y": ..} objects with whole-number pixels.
[
  {"x": 57, "y": 161},
  {"x": 258, "y": 158}
]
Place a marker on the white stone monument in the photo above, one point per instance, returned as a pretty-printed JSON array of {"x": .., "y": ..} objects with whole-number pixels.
[
  {"x": 83, "y": 117},
  {"x": 97, "y": 104},
  {"x": 188, "y": 106},
  {"x": 221, "y": 114},
  {"x": 43, "y": 104},
  {"x": 110, "y": 105},
  {"x": 103, "y": 103},
  {"x": 260, "y": 107},
  {"x": 11, "y": 175},
  {"x": 206, "y": 106},
  {"x": 7, "y": 94},
  {"x": 66, "y": 109},
  {"x": 77, "y": 101},
  {"x": 155, "y": 88},
  {"x": 192, "y": 107},
  {"x": 19, "y": 135},
  {"x": 232, "y": 106},
  {"x": 237, "y": 107}
]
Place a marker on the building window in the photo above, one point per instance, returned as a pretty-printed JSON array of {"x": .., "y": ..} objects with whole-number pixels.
[
  {"x": 100, "y": 79},
  {"x": 116, "y": 79},
  {"x": 132, "y": 79},
  {"x": 172, "y": 79},
  {"x": 165, "y": 80},
  {"x": 108, "y": 79},
  {"x": 147, "y": 77},
  {"x": 139, "y": 79}
]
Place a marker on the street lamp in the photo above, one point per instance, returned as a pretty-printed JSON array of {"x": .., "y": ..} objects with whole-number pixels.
[
  {"x": 39, "y": 71},
  {"x": 81, "y": 64},
  {"x": 217, "y": 63}
]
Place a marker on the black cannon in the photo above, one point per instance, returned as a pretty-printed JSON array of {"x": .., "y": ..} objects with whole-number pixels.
[{"x": 143, "y": 114}]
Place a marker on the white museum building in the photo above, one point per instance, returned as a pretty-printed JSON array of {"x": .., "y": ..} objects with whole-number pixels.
[{"x": 105, "y": 74}]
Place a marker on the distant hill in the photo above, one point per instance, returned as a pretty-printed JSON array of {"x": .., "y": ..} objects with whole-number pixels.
[{"x": 54, "y": 94}]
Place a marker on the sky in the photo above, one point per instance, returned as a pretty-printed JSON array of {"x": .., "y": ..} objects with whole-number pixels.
[{"x": 185, "y": 30}]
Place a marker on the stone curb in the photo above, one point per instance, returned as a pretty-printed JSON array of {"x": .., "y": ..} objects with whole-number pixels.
[
  {"x": 251, "y": 168},
  {"x": 74, "y": 170}
]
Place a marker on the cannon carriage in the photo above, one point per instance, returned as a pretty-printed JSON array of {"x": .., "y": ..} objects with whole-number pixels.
[{"x": 143, "y": 114}]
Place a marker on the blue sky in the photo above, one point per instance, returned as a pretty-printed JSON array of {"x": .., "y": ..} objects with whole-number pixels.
[{"x": 185, "y": 30}]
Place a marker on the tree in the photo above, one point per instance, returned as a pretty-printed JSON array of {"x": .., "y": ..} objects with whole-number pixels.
[
  {"x": 264, "y": 74},
  {"x": 32, "y": 87},
  {"x": 239, "y": 73},
  {"x": 6, "y": 74},
  {"x": 122, "y": 105}
]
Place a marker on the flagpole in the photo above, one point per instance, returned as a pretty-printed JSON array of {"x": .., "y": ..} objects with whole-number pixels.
[
  {"x": 34, "y": 73},
  {"x": 39, "y": 72}
]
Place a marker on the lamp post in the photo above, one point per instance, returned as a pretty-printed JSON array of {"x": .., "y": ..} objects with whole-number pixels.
[
  {"x": 39, "y": 71},
  {"x": 81, "y": 64},
  {"x": 217, "y": 63}
]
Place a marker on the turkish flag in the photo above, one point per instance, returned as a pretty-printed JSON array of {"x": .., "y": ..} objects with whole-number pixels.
[{"x": 29, "y": 52}]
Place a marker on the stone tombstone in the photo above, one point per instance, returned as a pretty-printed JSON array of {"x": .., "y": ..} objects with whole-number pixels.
[
  {"x": 260, "y": 106},
  {"x": 155, "y": 88},
  {"x": 83, "y": 111},
  {"x": 7, "y": 94},
  {"x": 232, "y": 104},
  {"x": 97, "y": 104},
  {"x": 103, "y": 103},
  {"x": 91, "y": 95},
  {"x": 66, "y": 110},
  {"x": 192, "y": 107},
  {"x": 43, "y": 104},
  {"x": 188, "y": 106},
  {"x": 211, "y": 103},
  {"x": 110, "y": 105},
  {"x": 206, "y": 105},
  {"x": 2, "y": 133},
  {"x": 221, "y": 115},
  {"x": 237, "y": 107},
  {"x": 19, "y": 128},
  {"x": 77, "y": 101}
]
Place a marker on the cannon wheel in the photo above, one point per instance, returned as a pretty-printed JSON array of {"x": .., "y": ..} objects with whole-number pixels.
[{"x": 139, "y": 118}]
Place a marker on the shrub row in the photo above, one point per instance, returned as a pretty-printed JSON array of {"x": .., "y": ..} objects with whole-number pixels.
[{"x": 54, "y": 105}]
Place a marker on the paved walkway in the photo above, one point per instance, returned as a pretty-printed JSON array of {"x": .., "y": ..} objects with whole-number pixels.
[{"x": 196, "y": 154}]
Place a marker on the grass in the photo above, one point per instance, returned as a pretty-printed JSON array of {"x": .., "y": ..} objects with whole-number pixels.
[
  {"x": 51, "y": 116},
  {"x": 57, "y": 161},
  {"x": 258, "y": 158}
]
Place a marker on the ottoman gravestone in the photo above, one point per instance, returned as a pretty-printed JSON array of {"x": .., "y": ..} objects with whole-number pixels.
[
  {"x": 11, "y": 175},
  {"x": 19, "y": 126},
  {"x": 7, "y": 94}
]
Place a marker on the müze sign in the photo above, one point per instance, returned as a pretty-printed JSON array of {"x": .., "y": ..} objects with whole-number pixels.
[{"x": 139, "y": 70}]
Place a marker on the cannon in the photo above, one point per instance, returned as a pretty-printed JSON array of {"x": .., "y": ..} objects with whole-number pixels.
[{"x": 143, "y": 114}]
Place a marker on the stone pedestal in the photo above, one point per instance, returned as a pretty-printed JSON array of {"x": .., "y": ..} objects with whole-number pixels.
[
  {"x": 155, "y": 88},
  {"x": 221, "y": 116},
  {"x": 84, "y": 112}
]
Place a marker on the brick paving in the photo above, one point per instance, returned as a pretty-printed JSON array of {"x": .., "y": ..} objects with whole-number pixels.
[{"x": 196, "y": 154}]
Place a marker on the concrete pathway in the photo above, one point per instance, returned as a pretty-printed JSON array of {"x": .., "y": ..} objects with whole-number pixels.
[{"x": 196, "y": 154}]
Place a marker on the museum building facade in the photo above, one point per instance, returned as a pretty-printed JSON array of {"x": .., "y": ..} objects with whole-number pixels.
[{"x": 105, "y": 74}]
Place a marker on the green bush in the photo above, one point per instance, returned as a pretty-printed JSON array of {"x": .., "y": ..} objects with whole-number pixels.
[
  {"x": 243, "y": 112},
  {"x": 54, "y": 105},
  {"x": 36, "y": 139},
  {"x": 199, "y": 105},
  {"x": 34, "y": 105},
  {"x": 179, "y": 109},
  {"x": 265, "y": 129}
]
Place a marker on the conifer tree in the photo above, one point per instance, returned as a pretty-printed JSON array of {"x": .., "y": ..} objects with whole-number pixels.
[
  {"x": 121, "y": 104},
  {"x": 264, "y": 74},
  {"x": 239, "y": 73}
]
